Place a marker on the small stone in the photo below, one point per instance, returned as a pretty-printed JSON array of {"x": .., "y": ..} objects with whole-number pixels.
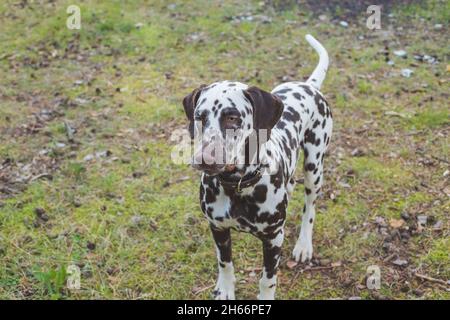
[
  {"x": 88, "y": 158},
  {"x": 357, "y": 153},
  {"x": 405, "y": 235},
  {"x": 405, "y": 216},
  {"x": 60, "y": 145},
  {"x": 103, "y": 154},
  {"x": 407, "y": 72},
  {"x": 429, "y": 59},
  {"x": 400, "y": 53},
  {"x": 438, "y": 225},
  {"x": 44, "y": 152},
  {"x": 400, "y": 262},
  {"x": 390, "y": 63},
  {"x": 77, "y": 203},
  {"x": 422, "y": 220},
  {"x": 344, "y": 24},
  {"x": 438, "y": 26},
  {"x": 81, "y": 101}
]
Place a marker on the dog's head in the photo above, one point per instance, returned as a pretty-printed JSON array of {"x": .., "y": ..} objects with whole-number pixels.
[{"x": 222, "y": 118}]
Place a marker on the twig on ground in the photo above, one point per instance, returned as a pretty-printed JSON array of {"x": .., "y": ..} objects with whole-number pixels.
[
  {"x": 196, "y": 292},
  {"x": 390, "y": 257},
  {"x": 311, "y": 270},
  {"x": 431, "y": 279},
  {"x": 42, "y": 175}
]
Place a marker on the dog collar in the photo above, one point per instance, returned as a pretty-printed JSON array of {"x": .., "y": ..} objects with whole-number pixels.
[{"x": 244, "y": 182}]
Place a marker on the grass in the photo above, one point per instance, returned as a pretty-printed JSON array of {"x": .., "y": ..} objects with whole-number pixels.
[{"x": 131, "y": 221}]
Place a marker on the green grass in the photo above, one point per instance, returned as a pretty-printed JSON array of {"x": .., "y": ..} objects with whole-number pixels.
[{"x": 131, "y": 221}]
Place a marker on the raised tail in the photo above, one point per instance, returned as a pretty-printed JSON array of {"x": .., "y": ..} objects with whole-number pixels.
[{"x": 320, "y": 72}]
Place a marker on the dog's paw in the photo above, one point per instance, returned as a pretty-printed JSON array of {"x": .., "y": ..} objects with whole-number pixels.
[
  {"x": 266, "y": 295},
  {"x": 303, "y": 250},
  {"x": 224, "y": 289},
  {"x": 223, "y": 294}
]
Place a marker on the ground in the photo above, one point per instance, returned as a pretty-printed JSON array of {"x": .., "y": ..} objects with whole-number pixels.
[{"x": 86, "y": 177}]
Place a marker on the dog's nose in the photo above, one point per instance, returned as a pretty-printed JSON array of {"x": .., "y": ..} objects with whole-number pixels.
[{"x": 209, "y": 158}]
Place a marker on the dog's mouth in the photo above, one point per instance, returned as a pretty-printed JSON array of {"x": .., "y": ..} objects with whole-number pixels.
[{"x": 212, "y": 158}]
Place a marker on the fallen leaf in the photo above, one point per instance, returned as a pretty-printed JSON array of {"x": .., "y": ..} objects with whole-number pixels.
[
  {"x": 291, "y": 264},
  {"x": 336, "y": 264},
  {"x": 396, "y": 223}
]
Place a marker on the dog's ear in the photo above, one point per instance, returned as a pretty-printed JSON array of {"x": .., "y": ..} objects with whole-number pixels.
[
  {"x": 267, "y": 108},
  {"x": 189, "y": 103}
]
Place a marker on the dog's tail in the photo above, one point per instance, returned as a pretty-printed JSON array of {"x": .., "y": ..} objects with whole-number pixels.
[{"x": 320, "y": 72}]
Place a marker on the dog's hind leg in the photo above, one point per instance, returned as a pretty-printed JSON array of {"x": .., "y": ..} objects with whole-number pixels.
[{"x": 224, "y": 289}]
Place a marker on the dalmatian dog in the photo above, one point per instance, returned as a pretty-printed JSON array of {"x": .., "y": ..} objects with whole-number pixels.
[{"x": 248, "y": 189}]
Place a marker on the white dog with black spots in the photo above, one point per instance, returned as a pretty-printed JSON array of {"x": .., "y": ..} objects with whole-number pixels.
[{"x": 248, "y": 189}]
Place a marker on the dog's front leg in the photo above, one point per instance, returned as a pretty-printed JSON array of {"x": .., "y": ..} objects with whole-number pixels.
[
  {"x": 224, "y": 289},
  {"x": 271, "y": 253}
]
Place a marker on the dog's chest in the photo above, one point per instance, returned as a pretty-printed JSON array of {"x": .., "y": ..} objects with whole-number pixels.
[{"x": 256, "y": 211}]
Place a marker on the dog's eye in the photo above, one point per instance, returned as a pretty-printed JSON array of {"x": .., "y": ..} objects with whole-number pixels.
[{"x": 232, "y": 118}]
